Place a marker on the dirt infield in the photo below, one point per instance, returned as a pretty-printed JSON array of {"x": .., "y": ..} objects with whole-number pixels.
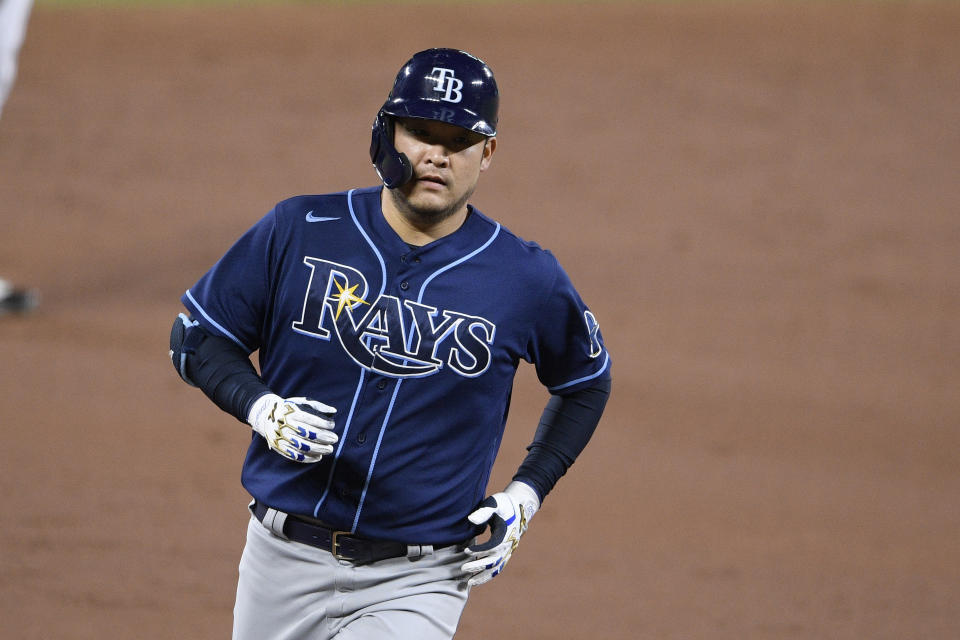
[{"x": 759, "y": 202}]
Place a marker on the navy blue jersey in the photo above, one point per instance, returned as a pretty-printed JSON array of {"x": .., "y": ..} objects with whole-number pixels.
[{"x": 416, "y": 348}]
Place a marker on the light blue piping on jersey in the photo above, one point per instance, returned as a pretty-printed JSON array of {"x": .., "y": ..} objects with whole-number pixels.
[
  {"x": 215, "y": 323},
  {"x": 486, "y": 244},
  {"x": 396, "y": 390},
  {"x": 606, "y": 362},
  {"x": 356, "y": 394},
  {"x": 436, "y": 273},
  {"x": 376, "y": 452},
  {"x": 343, "y": 440},
  {"x": 353, "y": 216}
]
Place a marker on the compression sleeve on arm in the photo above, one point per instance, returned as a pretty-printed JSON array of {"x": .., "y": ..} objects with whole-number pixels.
[
  {"x": 225, "y": 374},
  {"x": 567, "y": 423}
]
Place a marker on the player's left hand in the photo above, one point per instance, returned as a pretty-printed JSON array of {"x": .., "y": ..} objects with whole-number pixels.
[{"x": 508, "y": 514}]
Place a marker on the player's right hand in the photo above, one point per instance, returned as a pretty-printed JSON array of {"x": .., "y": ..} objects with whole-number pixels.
[{"x": 299, "y": 429}]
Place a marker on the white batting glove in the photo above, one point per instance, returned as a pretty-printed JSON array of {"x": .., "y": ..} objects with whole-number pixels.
[
  {"x": 297, "y": 428},
  {"x": 509, "y": 514}
]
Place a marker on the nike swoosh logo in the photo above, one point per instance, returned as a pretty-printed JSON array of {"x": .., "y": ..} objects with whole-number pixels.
[{"x": 313, "y": 218}]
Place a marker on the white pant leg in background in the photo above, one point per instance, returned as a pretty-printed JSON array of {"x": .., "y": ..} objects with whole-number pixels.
[
  {"x": 291, "y": 591},
  {"x": 14, "y": 15}
]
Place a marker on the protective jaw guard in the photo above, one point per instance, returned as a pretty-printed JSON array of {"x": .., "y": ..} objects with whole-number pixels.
[{"x": 393, "y": 167}]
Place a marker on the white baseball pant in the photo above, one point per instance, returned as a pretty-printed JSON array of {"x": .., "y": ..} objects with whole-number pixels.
[{"x": 288, "y": 590}]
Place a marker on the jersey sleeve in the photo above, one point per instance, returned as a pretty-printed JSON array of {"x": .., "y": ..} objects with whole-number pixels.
[
  {"x": 231, "y": 298},
  {"x": 567, "y": 347}
]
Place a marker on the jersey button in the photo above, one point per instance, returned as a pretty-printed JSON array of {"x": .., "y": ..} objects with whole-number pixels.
[
  {"x": 404, "y": 285},
  {"x": 361, "y": 438},
  {"x": 417, "y": 260},
  {"x": 381, "y": 384}
]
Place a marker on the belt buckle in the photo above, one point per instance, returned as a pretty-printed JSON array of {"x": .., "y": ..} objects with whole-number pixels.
[{"x": 335, "y": 545}]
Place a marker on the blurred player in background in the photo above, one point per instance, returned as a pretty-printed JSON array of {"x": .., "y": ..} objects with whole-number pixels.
[{"x": 14, "y": 15}]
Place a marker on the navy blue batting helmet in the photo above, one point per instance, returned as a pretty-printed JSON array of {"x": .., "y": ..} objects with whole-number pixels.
[{"x": 437, "y": 84}]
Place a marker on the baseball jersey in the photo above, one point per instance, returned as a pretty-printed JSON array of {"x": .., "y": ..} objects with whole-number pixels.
[{"x": 415, "y": 347}]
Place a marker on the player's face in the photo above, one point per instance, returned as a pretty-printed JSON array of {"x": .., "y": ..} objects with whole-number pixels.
[{"x": 447, "y": 161}]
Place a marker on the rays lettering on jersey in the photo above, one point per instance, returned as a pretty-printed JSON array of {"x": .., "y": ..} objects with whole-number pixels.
[{"x": 399, "y": 338}]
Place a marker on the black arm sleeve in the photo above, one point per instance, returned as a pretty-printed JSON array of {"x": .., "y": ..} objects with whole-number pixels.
[
  {"x": 567, "y": 423},
  {"x": 223, "y": 372}
]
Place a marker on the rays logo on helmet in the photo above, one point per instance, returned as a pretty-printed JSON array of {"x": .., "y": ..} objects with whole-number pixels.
[{"x": 448, "y": 84}]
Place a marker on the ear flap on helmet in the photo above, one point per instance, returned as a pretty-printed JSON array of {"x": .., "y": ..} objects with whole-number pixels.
[{"x": 393, "y": 167}]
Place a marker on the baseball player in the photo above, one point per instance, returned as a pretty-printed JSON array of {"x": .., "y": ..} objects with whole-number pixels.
[
  {"x": 14, "y": 15},
  {"x": 390, "y": 322},
  {"x": 17, "y": 299}
]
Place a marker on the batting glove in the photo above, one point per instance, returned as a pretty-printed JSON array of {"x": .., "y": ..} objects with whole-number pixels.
[
  {"x": 508, "y": 514},
  {"x": 297, "y": 428}
]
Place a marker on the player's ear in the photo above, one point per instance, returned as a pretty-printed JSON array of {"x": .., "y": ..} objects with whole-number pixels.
[{"x": 488, "y": 148}]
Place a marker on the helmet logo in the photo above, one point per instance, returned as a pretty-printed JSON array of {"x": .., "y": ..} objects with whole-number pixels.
[{"x": 448, "y": 84}]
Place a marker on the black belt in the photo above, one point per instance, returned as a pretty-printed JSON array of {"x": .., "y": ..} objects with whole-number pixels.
[{"x": 341, "y": 544}]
